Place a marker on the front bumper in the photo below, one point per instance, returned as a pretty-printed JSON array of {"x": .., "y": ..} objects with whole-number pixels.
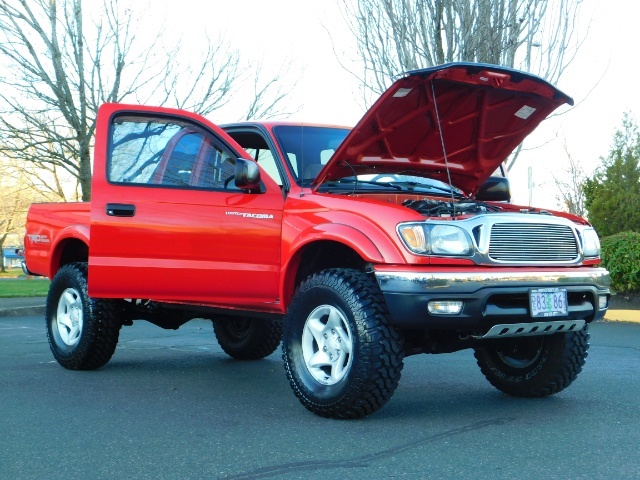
[{"x": 490, "y": 296}]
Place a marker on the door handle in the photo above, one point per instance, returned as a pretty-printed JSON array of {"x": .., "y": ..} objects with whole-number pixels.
[{"x": 120, "y": 210}]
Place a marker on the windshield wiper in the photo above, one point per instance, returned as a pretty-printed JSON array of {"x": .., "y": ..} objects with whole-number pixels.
[
  {"x": 355, "y": 183},
  {"x": 421, "y": 186}
]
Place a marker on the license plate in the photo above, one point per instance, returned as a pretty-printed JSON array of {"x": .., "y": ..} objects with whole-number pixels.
[{"x": 548, "y": 302}]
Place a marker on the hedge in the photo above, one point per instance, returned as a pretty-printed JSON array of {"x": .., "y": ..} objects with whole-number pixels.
[{"x": 621, "y": 256}]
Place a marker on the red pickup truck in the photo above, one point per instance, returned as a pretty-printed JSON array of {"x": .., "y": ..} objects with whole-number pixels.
[{"x": 357, "y": 247}]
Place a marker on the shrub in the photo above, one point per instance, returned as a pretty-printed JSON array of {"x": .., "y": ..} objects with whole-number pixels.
[{"x": 621, "y": 256}]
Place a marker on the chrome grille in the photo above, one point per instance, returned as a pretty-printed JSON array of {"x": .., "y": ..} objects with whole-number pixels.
[{"x": 532, "y": 242}]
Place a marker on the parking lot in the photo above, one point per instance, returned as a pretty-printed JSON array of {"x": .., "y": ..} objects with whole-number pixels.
[{"x": 170, "y": 404}]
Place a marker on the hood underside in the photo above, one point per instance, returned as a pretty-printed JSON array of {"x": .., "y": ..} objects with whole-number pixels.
[{"x": 466, "y": 116}]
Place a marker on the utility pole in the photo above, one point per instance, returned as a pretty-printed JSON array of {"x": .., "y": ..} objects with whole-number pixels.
[{"x": 530, "y": 183}]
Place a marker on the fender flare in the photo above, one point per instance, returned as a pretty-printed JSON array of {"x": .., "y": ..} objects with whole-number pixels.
[
  {"x": 341, "y": 233},
  {"x": 384, "y": 252},
  {"x": 72, "y": 232}
]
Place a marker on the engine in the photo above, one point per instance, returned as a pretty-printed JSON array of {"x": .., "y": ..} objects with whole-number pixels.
[{"x": 438, "y": 208}]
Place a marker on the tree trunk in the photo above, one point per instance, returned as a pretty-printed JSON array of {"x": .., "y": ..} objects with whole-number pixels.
[{"x": 84, "y": 176}]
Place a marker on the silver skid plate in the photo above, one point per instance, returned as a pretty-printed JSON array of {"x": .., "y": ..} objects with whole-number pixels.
[{"x": 532, "y": 329}]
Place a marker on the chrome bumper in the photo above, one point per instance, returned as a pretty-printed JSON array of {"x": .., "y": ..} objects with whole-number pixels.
[
  {"x": 490, "y": 297},
  {"x": 469, "y": 282}
]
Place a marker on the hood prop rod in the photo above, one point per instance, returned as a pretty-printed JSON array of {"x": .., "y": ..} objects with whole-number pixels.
[{"x": 444, "y": 150}]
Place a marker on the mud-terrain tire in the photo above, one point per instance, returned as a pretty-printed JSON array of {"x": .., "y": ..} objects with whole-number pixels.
[
  {"x": 534, "y": 366},
  {"x": 248, "y": 338},
  {"x": 82, "y": 331},
  {"x": 341, "y": 356}
]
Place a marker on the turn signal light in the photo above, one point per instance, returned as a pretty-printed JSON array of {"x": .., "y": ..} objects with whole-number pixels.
[
  {"x": 445, "y": 307},
  {"x": 603, "y": 302}
]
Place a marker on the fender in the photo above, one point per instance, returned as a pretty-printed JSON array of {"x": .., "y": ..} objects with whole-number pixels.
[
  {"x": 72, "y": 232},
  {"x": 381, "y": 251},
  {"x": 341, "y": 233}
]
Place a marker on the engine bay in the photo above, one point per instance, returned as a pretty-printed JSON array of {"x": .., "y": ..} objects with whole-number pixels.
[{"x": 439, "y": 208}]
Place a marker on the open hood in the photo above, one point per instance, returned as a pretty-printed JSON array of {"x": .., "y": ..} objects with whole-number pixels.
[{"x": 468, "y": 116}]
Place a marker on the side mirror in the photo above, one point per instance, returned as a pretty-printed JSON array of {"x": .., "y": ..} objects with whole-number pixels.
[
  {"x": 496, "y": 189},
  {"x": 247, "y": 174}
]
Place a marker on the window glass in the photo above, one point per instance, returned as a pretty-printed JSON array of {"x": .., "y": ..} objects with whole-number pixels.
[
  {"x": 217, "y": 171},
  {"x": 180, "y": 159},
  {"x": 137, "y": 145},
  {"x": 308, "y": 148},
  {"x": 265, "y": 159},
  {"x": 154, "y": 151}
]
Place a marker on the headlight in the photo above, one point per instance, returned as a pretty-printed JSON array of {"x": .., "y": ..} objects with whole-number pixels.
[
  {"x": 590, "y": 243},
  {"x": 449, "y": 240},
  {"x": 439, "y": 239}
]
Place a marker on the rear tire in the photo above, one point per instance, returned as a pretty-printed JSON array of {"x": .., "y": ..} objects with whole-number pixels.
[
  {"x": 82, "y": 331},
  {"x": 247, "y": 338},
  {"x": 341, "y": 356},
  {"x": 534, "y": 366}
]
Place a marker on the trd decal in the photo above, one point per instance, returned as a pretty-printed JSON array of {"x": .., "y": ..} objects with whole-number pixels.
[{"x": 38, "y": 238}]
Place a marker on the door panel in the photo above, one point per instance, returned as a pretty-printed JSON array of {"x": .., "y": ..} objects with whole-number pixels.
[{"x": 168, "y": 223}]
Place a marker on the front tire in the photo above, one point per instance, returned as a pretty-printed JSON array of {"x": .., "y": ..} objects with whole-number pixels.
[
  {"x": 534, "y": 366},
  {"x": 247, "y": 338},
  {"x": 341, "y": 356},
  {"x": 82, "y": 331}
]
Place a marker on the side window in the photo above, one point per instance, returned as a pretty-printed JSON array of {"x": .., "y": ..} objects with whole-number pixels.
[
  {"x": 256, "y": 145},
  {"x": 157, "y": 151},
  {"x": 265, "y": 159},
  {"x": 216, "y": 169},
  {"x": 179, "y": 158}
]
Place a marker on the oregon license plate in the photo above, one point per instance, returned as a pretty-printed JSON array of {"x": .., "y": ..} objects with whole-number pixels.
[{"x": 548, "y": 302}]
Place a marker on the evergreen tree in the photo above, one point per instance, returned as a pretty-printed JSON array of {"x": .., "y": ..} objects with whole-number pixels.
[{"x": 612, "y": 195}]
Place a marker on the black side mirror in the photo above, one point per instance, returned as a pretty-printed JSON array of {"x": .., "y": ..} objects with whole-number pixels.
[
  {"x": 496, "y": 189},
  {"x": 247, "y": 174}
]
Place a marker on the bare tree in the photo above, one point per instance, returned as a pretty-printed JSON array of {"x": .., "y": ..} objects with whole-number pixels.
[
  {"x": 394, "y": 36},
  {"x": 266, "y": 99},
  {"x": 59, "y": 68},
  {"x": 15, "y": 198},
  {"x": 570, "y": 188}
]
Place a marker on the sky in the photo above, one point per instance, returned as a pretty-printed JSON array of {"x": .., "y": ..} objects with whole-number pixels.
[{"x": 311, "y": 33}]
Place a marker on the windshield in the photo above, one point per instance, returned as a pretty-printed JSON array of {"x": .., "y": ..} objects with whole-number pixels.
[{"x": 308, "y": 149}]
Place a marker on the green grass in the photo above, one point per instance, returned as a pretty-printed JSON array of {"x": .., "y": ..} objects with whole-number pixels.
[
  {"x": 12, "y": 273},
  {"x": 22, "y": 287}
]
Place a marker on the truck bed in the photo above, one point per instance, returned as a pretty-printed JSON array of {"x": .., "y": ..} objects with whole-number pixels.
[{"x": 47, "y": 224}]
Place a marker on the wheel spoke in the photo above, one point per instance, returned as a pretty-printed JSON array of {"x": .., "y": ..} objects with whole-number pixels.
[
  {"x": 338, "y": 371},
  {"x": 74, "y": 332},
  {"x": 316, "y": 328},
  {"x": 345, "y": 340},
  {"x": 65, "y": 320},
  {"x": 335, "y": 319},
  {"x": 319, "y": 359},
  {"x": 69, "y": 299}
]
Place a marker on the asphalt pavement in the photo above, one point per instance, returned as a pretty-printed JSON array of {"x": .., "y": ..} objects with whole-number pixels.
[
  {"x": 170, "y": 404},
  {"x": 13, "y": 307}
]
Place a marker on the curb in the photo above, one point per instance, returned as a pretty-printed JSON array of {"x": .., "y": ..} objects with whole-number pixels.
[
  {"x": 622, "y": 316},
  {"x": 22, "y": 311}
]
